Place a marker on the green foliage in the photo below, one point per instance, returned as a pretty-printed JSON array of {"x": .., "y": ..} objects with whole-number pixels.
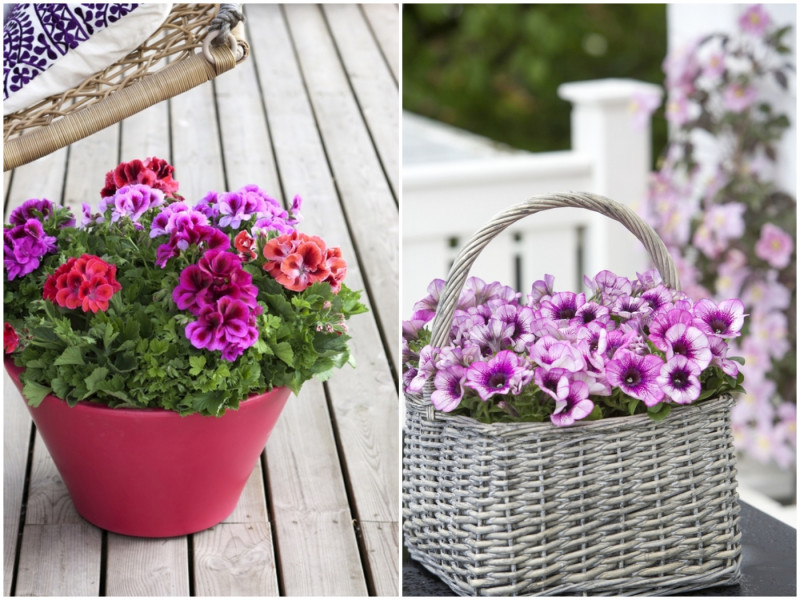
[
  {"x": 136, "y": 354},
  {"x": 494, "y": 69}
]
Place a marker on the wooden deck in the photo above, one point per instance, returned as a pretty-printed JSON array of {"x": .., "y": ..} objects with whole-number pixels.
[{"x": 314, "y": 111}]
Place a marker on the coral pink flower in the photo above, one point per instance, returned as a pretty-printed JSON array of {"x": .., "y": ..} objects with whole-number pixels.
[{"x": 297, "y": 260}]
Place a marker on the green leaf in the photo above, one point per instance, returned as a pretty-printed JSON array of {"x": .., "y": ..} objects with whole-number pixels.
[
  {"x": 659, "y": 412},
  {"x": 738, "y": 359},
  {"x": 94, "y": 380},
  {"x": 283, "y": 350},
  {"x": 197, "y": 364},
  {"x": 34, "y": 392},
  {"x": 70, "y": 356}
]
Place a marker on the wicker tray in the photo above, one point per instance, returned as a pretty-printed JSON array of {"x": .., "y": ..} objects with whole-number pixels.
[{"x": 622, "y": 506}]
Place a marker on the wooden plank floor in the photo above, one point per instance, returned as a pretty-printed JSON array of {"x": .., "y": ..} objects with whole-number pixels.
[{"x": 314, "y": 111}]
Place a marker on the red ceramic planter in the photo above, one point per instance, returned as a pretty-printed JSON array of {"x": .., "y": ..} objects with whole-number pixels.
[{"x": 151, "y": 472}]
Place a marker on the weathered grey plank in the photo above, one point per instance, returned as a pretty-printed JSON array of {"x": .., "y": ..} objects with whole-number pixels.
[
  {"x": 235, "y": 560},
  {"x": 16, "y": 437},
  {"x": 89, "y": 161},
  {"x": 364, "y": 192},
  {"x": 381, "y": 541},
  {"x": 384, "y": 20},
  {"x": 367, "y": 424},
  {"x": 246, "y": 144},
  {"x": 42, "y": 178},
  {"x": 146, "y": 134},
  {"x": 147, "y": 567},
  {"x": 374, "y": 87},
  {"x": 60, "y": 560},
  {"x": 312, "y": 521},
  {"x": 195, "y": 143}
]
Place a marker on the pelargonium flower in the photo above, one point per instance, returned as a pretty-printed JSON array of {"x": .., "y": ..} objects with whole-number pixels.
[
  {"x": 24, "y": 246},
  {"x": 774, "y": 246},
  {"x": 177, "y": 215},
  {"x": 723, "y": 320},
  {"x": 87, "y": 282},
  {"x": 132, "y": 201},
  {"x": 449, "y": 386},
  {"x": 216, "y": 275},
  {"x": 201, "y": 236},
  {"x": 10, "y": 338},
  {"x": 153, "y": 172},
  {"x": 245, "y": 245},
  {"x": 227, "y": 325},
  {"x": 502, "y": 374},
  {"x": 297, "y": 260},
  {"x": 636, "y": 375},
  {"x": 32, "y": 209}
]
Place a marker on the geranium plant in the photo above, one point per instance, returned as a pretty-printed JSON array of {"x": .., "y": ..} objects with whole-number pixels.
[
  {"x": 154, "y": 301},
  {"x": 726, "y": 221},
  {"x": 627, "y": 347}
]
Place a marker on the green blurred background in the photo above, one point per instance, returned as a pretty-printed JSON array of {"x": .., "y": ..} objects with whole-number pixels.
[{"x": 494, "y": 69}]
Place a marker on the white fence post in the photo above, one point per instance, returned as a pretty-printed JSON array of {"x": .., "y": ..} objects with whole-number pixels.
[{"x": 604, "y": 127}]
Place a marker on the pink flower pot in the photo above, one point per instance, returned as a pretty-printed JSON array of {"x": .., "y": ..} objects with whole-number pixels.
[{"x": 151, "y": 472}]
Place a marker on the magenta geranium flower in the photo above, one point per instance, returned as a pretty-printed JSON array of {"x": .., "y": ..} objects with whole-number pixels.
[
  {"x": 495, "y": 376},
  {"x": 679, "y": 379},
  {"x": 227, "y": 325},
  {"x": 132, "y": 201},
  {"x": 636, "y": 375},
  {"x": 723, "y": 320},
  {"x": 24, "y": 246},
  {"x": 775, "y": 246}
]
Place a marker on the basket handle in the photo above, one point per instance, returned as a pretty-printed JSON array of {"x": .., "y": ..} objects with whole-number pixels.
[{"x": 457, "y": 276}]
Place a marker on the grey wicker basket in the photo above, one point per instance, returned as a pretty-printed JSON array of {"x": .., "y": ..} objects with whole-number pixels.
[{"x": 622, "y": 506}]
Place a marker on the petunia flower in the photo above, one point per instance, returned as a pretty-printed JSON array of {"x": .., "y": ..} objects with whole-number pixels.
[
  {"x": 679, "y": 379},
  {"x": 689, "y": 341},
  {"x": 493, "y": 377},
  {"x": 723, "y": 320},
  {"x": 636, "y": 375},
  {"x": 574, "y": 406},
  {"x": 755, "y": 20},
  {"x": 449, "y": 386}
]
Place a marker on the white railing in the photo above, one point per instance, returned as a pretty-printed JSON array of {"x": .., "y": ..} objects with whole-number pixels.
[{"x": 446, "y": 200}]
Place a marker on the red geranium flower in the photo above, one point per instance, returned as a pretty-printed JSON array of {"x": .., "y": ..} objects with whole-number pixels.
[
  {"x": 10, "y": 338},
  {"x": 153, "y": 172},
  {"x": 88, "y": 282}
]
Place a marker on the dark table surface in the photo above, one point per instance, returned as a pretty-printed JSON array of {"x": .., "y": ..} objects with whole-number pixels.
[{"x": 769, "y": 549}]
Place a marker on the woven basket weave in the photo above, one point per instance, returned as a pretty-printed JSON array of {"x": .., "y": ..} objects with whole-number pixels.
[
  {"x": 194, "y": 45},
  {"x": 622, "y": 506}
]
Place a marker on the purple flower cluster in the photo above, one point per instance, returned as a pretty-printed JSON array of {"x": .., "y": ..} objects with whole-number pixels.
[
  {"x": 222, "y": 296},
  {"x": 131, "y": 201},
  {"x": 25, "y": 242},
  {"x": 186, "y": 227},
  {"x": 633, "y": 338},
  {"x": 250, "y": 203}
]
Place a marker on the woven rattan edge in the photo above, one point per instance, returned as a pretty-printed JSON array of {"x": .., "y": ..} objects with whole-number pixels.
[{"x": 416, "y": 403}]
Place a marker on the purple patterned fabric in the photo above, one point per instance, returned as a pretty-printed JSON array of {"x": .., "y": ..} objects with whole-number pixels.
[{"x": 36, "y": 35}]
